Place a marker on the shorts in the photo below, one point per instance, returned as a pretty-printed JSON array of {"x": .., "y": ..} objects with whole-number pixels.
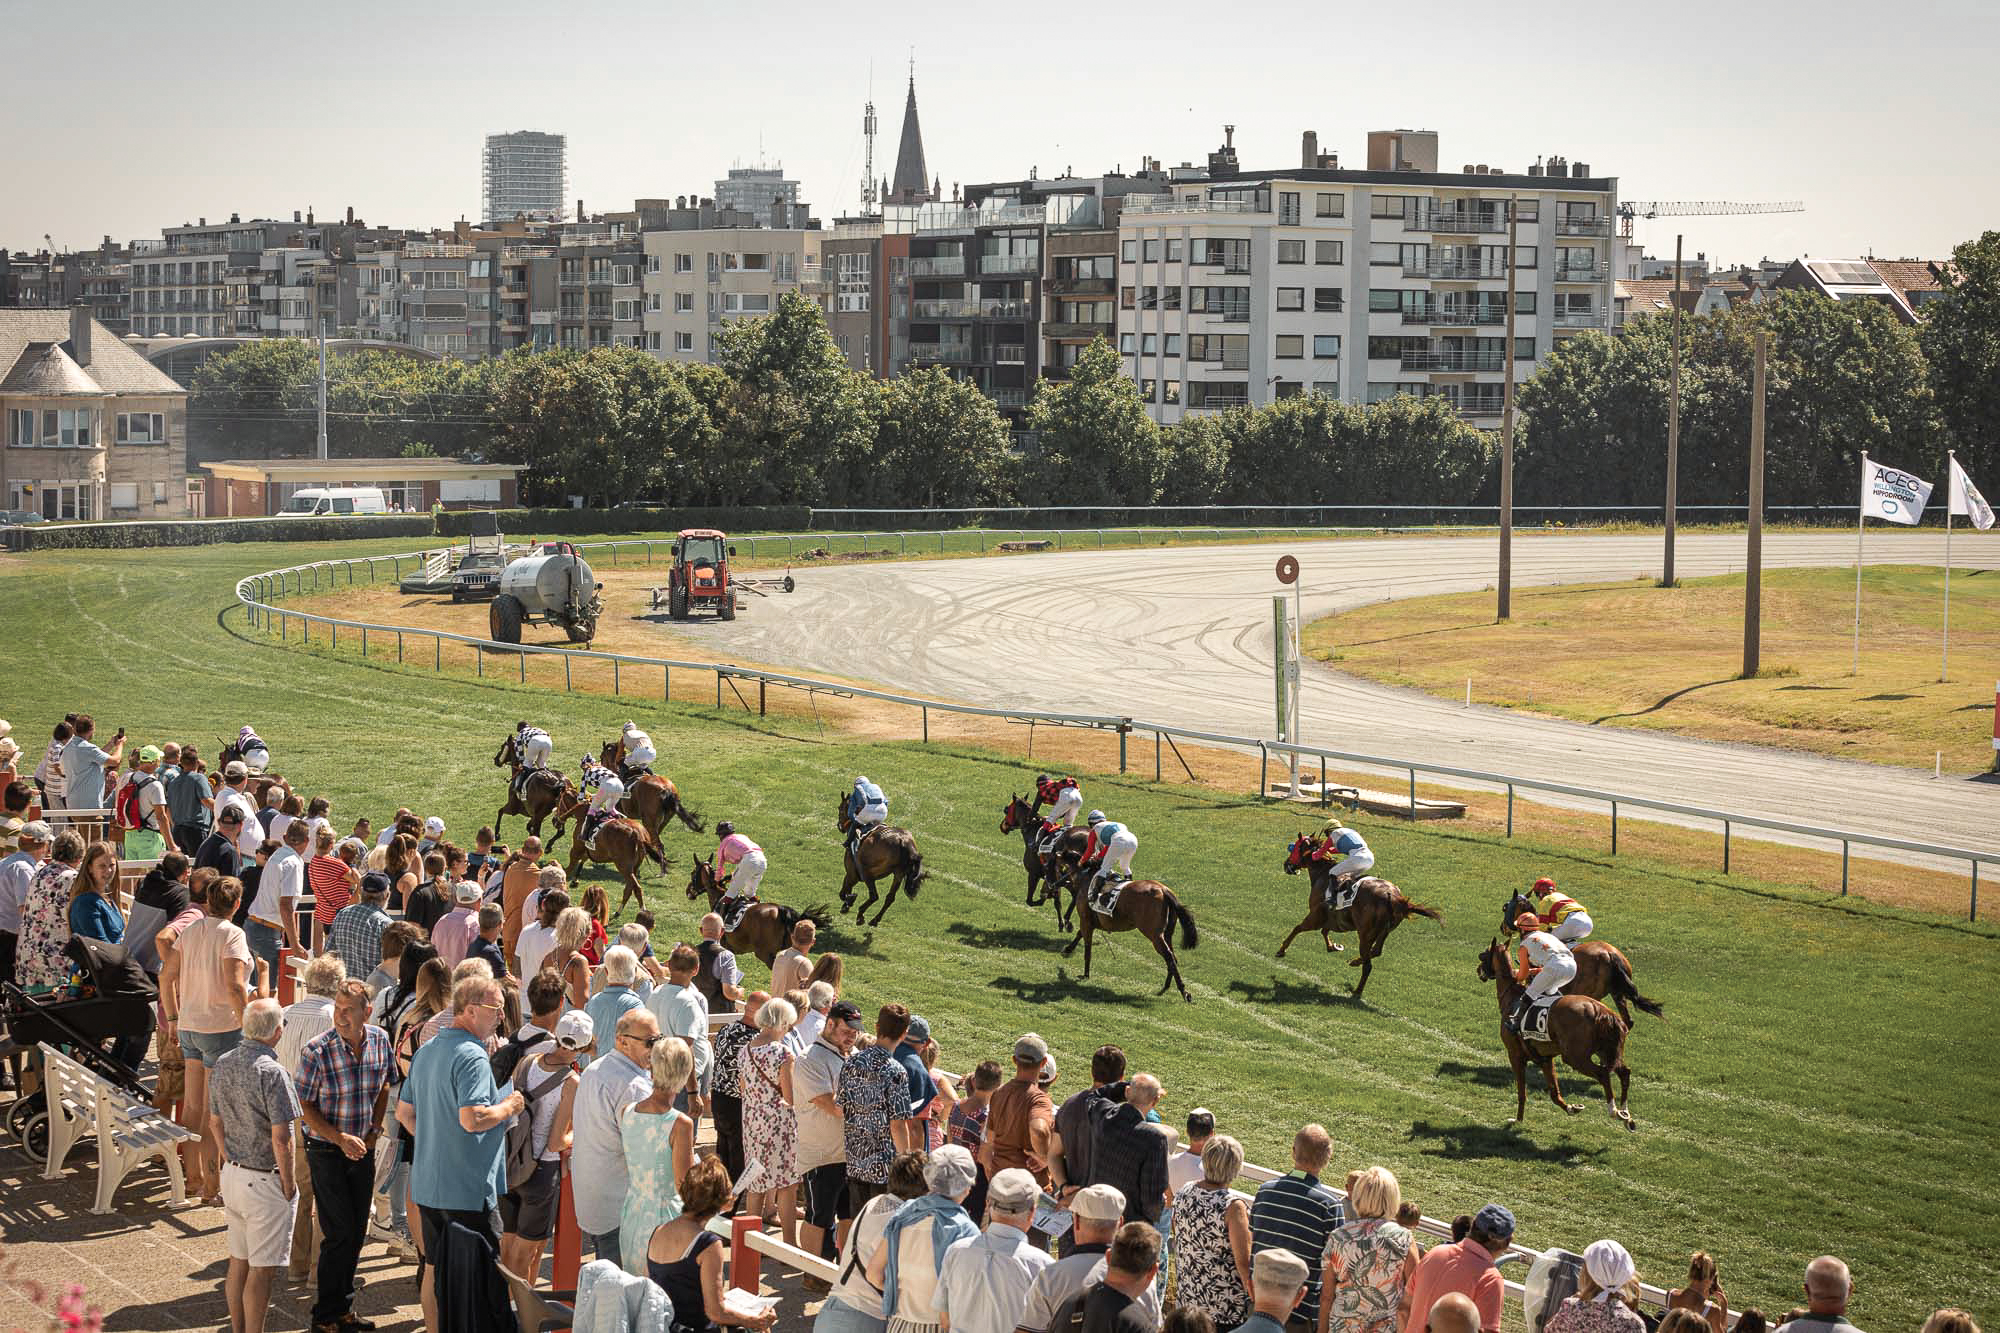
[
  {"x": 208, "y": 1047},
  {"x": 859, "y": 1192},
  {"x": 827, "y": 1196},
  {"x": 259, "y": 1216},
  {"x": 530, "y": 1211}
]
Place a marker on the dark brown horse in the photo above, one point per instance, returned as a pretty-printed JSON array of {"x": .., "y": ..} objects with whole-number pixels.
[
  {"x": 259, "y": 784},
  {"x": 1068, "y": 853},
  {"x": 1588, "y": 1036},
  {"x": 1601, "y": 969},
  {"x": 883, "y": 850},
  {"x": 623, "y": 844},
  {"x": 650, "y": 799},
  {"x": 1144, "y": 905},
  {"x": 765, "y": 930},
  {"x": 537, "y": 798},
  {"x": 1378, "y": 908}
]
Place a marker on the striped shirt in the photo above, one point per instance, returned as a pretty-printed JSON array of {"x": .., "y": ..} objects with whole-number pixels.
[{"x": 1297, "y": 1213}]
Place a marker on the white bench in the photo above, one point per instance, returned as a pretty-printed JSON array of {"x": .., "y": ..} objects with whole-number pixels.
[{"x": 128, "y": 1132}]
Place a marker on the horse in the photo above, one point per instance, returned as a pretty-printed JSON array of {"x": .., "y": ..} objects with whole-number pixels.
[
  {"x": 1144, "y": 905},
  {"x": 652, "y": 800},
  {"x": 537, "y": 798},
  {"x": 1378, "y": 908},
  {"x": 1588, "y": 1036},
  {"x": 259, "y": 784},
  {"x": 766, "y": 928},
  {"x": 882, "y": 850},
  {"x": 1601, "y": 969},
  {"x": 1068, "y": 850},
  {"x": 626, "y": 846}
]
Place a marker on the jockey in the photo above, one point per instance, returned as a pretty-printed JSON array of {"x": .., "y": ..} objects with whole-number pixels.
[
  {"x": 1355, "y": 858},
  {"x": 1558, "y": 913},
  {"x": 741, "y": 864},
  {"x": 1543, "y": 962},
  {"x": 255, "y": 754},
  {"x": 866, "y": 808},
  {"x": 606, "y": 791},
  {"x": 1064, "y": 798},
  {"x": 1110, "y": 849},
  {"x": 532, "y": 750},
  {"x": 639, "y": 752}
]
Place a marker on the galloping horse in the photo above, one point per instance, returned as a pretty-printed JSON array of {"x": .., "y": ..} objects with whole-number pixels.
[
  {"x": 1378, "y": 908},
  {"x": 259, "y": 784},
  {"x": 766, "y": 928},
  {"x": 883, "y": 850},
  {"x": 1068, "y": 850},
  {"x": 652, "y": 799},
  {"x": 1144, "y": 905},
  {"x": 1588, "y": 1036},
  {"x": 1601, "y": 969},
  {"x": 624, "y": 845},
  {"x": 537, "y": 798}
]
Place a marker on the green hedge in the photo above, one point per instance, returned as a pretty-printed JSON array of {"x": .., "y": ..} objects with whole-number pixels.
[
  {"x": 205, "y": 532},
  {"x": 576, "y": 522}
]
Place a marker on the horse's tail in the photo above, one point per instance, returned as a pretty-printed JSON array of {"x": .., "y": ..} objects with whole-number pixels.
[
  {"x": 1178, "y": 912},
  {"x": 820, "y": 914},
  {"x": 915, "y": 861},
  {"x": 650, "y": 845},
  {"x": 1623, "y": 989},
  {"x": 685, "y": 815},
  {"x": 1411, "y": 909}
]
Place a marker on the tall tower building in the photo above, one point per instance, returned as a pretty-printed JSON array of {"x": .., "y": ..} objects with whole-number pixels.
[
  {"x": 523, "y": 173},
  {"x": 911, "y": 184}
]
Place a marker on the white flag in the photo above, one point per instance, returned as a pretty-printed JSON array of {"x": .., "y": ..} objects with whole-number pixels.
[
  {"x": 1966, "y": 499},
  {"x": 1888, "y": 493}
]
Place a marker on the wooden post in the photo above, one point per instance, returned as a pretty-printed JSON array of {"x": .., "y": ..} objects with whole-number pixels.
[{"x": 1753, "y": 565}]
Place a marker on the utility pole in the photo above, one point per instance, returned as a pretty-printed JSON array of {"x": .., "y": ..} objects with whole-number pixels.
[
  {"x": 1507, "y": 423},
  {"x": 1753, "y": 563},
  {"x": 1674, "y": 428},
  {"x": 322, "y": 386}
]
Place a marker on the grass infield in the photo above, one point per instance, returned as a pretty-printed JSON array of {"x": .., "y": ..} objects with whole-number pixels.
[{"x": 1819, "y": 1084}]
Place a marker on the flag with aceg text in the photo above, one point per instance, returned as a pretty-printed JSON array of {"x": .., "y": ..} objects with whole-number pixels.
[
  {"x": 1966, "y": 499},
  {"x": 1892, "y": 494}
]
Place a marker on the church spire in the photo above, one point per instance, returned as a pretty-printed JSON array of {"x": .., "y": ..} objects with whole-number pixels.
[{"x": 911, "y": 183}]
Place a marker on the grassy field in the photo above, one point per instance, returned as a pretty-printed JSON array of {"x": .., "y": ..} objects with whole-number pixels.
[
  {"x": 1814, "y": 1057},
  {"x": 1632, "y": 654}
]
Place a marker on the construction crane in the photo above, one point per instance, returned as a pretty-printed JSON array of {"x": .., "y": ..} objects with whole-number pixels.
[{"x": 1694, "y": 208}]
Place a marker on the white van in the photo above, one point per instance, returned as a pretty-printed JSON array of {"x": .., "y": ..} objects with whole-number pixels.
[{"x": 313, "y": 500}]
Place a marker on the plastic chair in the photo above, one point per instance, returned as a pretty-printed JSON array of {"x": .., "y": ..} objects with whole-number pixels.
[{"x": 536, "y": 1311}]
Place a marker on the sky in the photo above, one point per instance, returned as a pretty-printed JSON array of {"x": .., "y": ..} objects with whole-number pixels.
[{"x": 1879, "y": 121}]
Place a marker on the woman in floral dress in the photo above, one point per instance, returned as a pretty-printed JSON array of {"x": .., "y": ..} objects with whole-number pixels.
[
  {"x": 39, "y": 961},
  {"x": 770, "y": 1125},
  {"x": 1369, "y": 1260},
  {"x": 1211, "y": 1243}
]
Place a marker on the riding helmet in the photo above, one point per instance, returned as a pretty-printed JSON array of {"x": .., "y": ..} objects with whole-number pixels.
[
  {"x": 1544, "y": 884},
  {"x": 724, "y": 829},
  {"x": 1041, "y": 779},
  {"x": 1096, "y": 817},
  {"x": 1527, "y": 921}
]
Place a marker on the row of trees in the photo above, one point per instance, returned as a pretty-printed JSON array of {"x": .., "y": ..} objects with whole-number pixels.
[{"x": 782, "y": 419}]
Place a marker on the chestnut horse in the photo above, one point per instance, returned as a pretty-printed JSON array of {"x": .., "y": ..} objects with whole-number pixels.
[
  {"x": 1588, "y": 1036},
  {"x": 765, "y": 930},
  {"x": 650, "y": 799},
  {"x": 538, "y": 798},
  {"x": 624, "y": 845},
  {"x": 1144, "y": 905},
  {"x": 1601, "y": 969},
  {"x": 1378, "y": 908},
  {"x": 882, "y": 850},
  {"x": 1068, "y": 851}
]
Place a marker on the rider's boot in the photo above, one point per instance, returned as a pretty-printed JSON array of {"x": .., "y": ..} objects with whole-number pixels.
[{"x": 1513, "y": 1020}]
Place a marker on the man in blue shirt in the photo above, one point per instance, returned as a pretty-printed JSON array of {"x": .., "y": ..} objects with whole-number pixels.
[
  {"x": 1297, "y": 1213},
  {"x": 83, "y": 765},
  {"x": 909, "y": 1054},
  {"x": 459, "y": 1119}
]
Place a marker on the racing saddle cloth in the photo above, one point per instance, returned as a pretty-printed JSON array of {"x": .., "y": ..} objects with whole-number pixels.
[
  {"x": 733, "y": 910},
  {"x": 1535, "y": 1020},
  {"x": 1341, "y": 892},
  {"x": 1104, "y": 899}
]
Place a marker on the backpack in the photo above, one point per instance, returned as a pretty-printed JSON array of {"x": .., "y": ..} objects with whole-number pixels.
[
  {"x": 126, "y": 814},
  {"x": 187, "y": 798},
  {"x": 521, "y": 1157},
  {"x": 516, "y": 1049}
]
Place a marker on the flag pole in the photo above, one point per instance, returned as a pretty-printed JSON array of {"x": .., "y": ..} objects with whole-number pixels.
[
  {"x": 1860, "y": 528},
  {"x": 1950, "y": 471}
]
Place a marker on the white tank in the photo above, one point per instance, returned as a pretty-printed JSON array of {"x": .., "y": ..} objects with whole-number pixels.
[{"x": 548, "y": 582}]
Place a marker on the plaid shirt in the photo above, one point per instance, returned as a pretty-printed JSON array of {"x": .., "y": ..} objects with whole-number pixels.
[
  {"x": 1131, "y": 1155},
  {"x": 356, "y": 935},
  {"x": 342, "y": 1087}
]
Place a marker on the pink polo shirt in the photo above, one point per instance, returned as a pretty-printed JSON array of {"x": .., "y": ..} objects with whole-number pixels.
[
  {"x": 1464, "y": 1267},
  {"x": 734, "y": 848}
]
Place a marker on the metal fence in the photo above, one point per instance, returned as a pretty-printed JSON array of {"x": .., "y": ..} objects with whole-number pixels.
[{"x": 259, "y": 594}]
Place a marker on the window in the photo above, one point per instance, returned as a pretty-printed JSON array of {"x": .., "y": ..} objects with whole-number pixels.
[
  {"x": 1290, "y": 388},
  {"x": 1385, "y": 301},
  {"x": 683, "y": 263},
  {"x": 1524, "y": 349},
  {"x": 1215, "y": 394},
  {"x": 1149, "y": 390},
  {"x": 1529, "y": 210},
  {"x": 653, "y": 340},
  {"x": 1326, "y": 346},
  {"x": 1173, "y": 249},
  {"x": 1288, "y": 208},
  {"x": 1524, "y": 303},
  {"x": 124, "y": 495},
  {"x": 746, "y": 303},
  {"x": 1326, "y": 300},
  {"x": 1291, "y": 298},
  {"x": 652, "y": 263},
  {"x": 1331, "y": 206},
  {"x": 1291, "y": 346},
  {"x": 1327, "y": 388},
  {"x": 1387, "y": 205},
  {"x": 1170, "y": 298},
  {"x": 683, "y": 341},
  {"x": 21, "y": 433},
  {"x": 1232, "y": 254},
  {"x": 1173, "y": 344},
  {"x": 1126, "y": 297},
  {"x": 1152, "y": 252},
  {"x": 852, "y": 271},
  {"x": 624, "y": 310},
  {"x": 1329, "y": 252},
  {"x": 65, "y": 428},
  {"x": 683, "y": 303},
  {"x": 142, "y": 428},
  {"x": 1232, "y": 303},
  {"x": 1524, "y": 255},
  {"x": 1291, "y": 252},
  {"x": 1172, "y": 397},
  {"x": 1129, "y": 252},
  {"x": 1126, "y": 343},
  {"x": 622, "y": 276},
  {"x": 787, "y": 269},
  {"x": 1149, "y": 297}
]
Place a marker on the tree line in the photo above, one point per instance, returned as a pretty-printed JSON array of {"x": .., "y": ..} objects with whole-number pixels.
[{"x": 782, "y": 419}]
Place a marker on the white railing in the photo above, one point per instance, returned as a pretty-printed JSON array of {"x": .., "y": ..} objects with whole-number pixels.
[{"x": 258, "y": 593}]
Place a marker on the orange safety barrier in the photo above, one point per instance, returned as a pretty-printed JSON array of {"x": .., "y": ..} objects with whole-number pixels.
[
  {"x": 283, "y": 985},
  {"x": 743, "y": 1261},
  {"x": 568, "y": 1256}
]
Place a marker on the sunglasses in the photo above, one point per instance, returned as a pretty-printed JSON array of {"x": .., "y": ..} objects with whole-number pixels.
[{"x": 649, "y": 1042}]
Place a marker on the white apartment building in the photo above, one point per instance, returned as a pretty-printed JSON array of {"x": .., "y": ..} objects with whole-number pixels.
[
  {"x": 698, "y": 280},
  {"x": 1253, "y": 286},
  {"x": 523, "y": 174}
]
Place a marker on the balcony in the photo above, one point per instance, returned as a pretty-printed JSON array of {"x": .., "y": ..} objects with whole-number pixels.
[
  {"x": 953, "y": 353},
  {"x": 1457, "y": 222},
  {"x": 944, "y": 309},
  {"x": 1454, "y": 361},
  {"x": 1218, "y": 402},
  {"x": 1226, "y": 360},
  {"x": 938, "y": 266},
  {"x": 1455, "y": 270},
  {"x": 1591, "y": 226},
  {"x": 1580, "y": 273},
  {"x": 1008, "y": 397},
  {"x": 1081, "y": 286},
  {"x": 570, "y": 279},
  {"x": 1010, "y": 263},
  {"x": 1455, "y": 315},
  {"x": 1010, "y": 354},
  {"x": 1479, "y": 404},
  {"x": 1581, "y": 319},
  {"x": 1063, "y": 332},
  {"x": 1165, "y": 203}
]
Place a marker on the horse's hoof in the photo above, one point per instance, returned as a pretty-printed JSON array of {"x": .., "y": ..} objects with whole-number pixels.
[
  {"x": 1574, "y": 1110},
  {"x": 1281, "y": 953},
  {"x": 1335, "y": 948}
]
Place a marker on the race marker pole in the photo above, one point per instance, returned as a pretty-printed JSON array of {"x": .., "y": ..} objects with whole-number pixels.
[
  {"x": 1944, "y": 662},
  {"x": 1860, "y": 531},
  {"x": 1996, "y": 726},
  {"x": 1298, "y": 674}
]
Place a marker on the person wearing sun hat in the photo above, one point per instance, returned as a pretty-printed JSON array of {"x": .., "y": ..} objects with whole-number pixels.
[{"x": 1606, "y": 1294}]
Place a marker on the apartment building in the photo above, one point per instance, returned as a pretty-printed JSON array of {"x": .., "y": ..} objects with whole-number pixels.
[
  {"x": 523, "y": 175},
  {"x": 1249, "y": 286},
  {"x": 975, "y": 294},
  {"x": 699, "y": 278},
  {"x": 764, "y": 193},
  {"x": 58, "y": 281},
  {"x": 600, "y": 297}
]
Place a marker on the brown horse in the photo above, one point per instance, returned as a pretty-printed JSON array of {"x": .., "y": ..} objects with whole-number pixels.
[
  {"x": 882, "y": 850},
  {"x": 1378, "y": 908},
  {"x": 1601, "y": 969},
  {"x": 765, "y": 930},
  {"x": 1588, "y": 1036},
  {"x": 259, "y": 784},
  {"x": 1045, "y": 869},
  {"x": 1144, "y": 905},
  {"x": 650, "y": 799},
  {"x": 624, "y": 845},
  {"x": 537, "y": 798}
]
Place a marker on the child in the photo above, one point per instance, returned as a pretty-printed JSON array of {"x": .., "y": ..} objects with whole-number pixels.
[
  {"x": 487, "y": 946},
  {"x": 967, "y": 1126},
  {"x": 482, "y": 850}
]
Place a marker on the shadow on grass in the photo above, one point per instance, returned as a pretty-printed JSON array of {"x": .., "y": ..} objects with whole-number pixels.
[
  {"x": 1485, "y": 1076},
  {"x": 1885, "y": 698},
  {"x": 1277, "y": 991},
  {"x": 1812, "y": 687},
  {"x": 1063, "y": 987},
  {"x": 1662, "y": 702},
  {"x": 987, "y": 937},
  {"x": 1462, "y": 1143},
  {"x": 848, "y": 939}
]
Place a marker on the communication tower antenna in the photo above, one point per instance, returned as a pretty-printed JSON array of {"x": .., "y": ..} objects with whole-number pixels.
[{"x": 868, "y": 169}]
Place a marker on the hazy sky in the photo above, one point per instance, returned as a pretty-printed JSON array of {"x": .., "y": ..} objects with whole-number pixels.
[{"x": 131, "y": 116}]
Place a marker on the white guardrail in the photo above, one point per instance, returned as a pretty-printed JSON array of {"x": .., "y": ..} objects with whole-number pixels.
[{"x": 259, "y": 594}]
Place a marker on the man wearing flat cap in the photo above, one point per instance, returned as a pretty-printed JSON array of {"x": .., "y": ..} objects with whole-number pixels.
[
  {"x": 983, "y": 1285},
  {"x": 1277, "y": 1285}
]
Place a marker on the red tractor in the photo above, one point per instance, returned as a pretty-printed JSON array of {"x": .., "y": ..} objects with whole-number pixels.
[{"x": 700, "y": 580}]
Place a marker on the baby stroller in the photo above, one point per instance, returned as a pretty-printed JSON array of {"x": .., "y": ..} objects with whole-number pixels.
[{"x": 114, "y": 1002}]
